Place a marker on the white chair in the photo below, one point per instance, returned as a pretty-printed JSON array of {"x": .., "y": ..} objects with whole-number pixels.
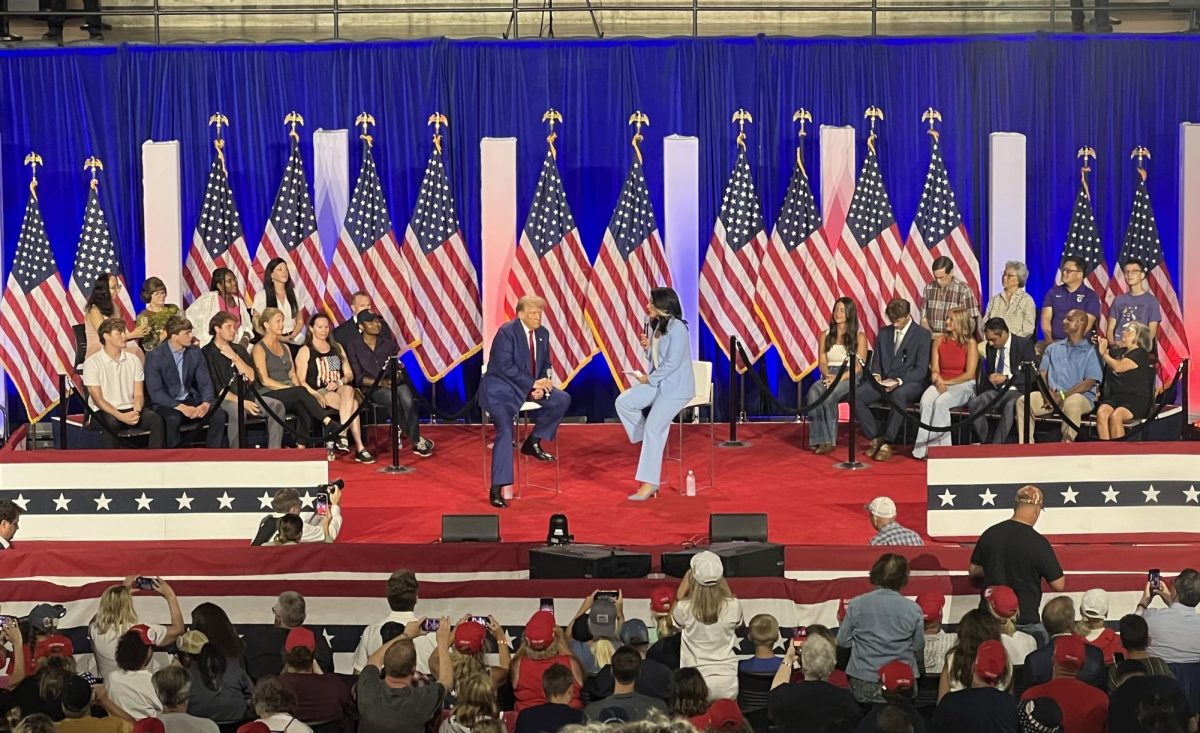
[
  {"x": 702, "y": 374},
  {"x": 521, "y": 462}
]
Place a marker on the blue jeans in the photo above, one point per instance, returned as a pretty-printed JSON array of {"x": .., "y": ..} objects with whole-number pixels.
[{"x": 823, "y": 421}]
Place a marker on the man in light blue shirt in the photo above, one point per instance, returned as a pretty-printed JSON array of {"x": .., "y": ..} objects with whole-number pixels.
[
  {"x": 1071, "y": 368},
  {"x": 1174, "y": 630}
]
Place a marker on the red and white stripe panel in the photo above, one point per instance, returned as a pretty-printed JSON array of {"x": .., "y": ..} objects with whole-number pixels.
[{"x": 867, "y": 275}]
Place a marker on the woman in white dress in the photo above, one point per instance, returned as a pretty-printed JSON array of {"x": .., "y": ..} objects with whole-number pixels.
[{"x": 709, "y": 614}]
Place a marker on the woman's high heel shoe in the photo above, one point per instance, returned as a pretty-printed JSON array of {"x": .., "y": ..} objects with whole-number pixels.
[{"x": 643, "y": 497}]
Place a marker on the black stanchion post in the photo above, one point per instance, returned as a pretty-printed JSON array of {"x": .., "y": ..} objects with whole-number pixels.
[
  {"x": 394, "y": 429},
  {"x": 733, "y": 441},
  {"x": 1027, "y": 418},
  {"x": 852, "y": 463},
  {"x": 63, "y": 398},
  {"x": 241, "y": 409}
]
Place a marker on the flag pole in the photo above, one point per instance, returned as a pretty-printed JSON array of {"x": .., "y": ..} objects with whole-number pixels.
[{"x": 802, "y": 116}]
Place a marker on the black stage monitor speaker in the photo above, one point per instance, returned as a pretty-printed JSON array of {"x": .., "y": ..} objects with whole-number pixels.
[
  {"x": 741, "y": 559},
  {"x": 470, "y": 528},
  {"x": 587, "y": 561},
  {"x": 737, "y": 527}
]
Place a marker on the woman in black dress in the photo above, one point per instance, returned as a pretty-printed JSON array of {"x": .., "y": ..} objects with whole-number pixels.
[{"x": 1128, "y": 389}]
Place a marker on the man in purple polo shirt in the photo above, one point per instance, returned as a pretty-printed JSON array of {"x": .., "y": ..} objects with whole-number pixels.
[{"x": 1070, "y": 295}]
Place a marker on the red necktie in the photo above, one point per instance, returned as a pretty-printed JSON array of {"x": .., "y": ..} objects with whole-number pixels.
[{"x": 532, "y": 357}]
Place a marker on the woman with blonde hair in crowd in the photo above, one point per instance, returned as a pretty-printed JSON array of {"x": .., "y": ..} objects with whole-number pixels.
[
  {"x": 709, "y": 614},
  {"x": 36, "y": 723},
  {"x": 476, "y": 702},
  {"x": 117, "y": 615},
  {"x": 467, "y": 651},
  {"x": 952, "y": 366},
  {"x": 665, "y": 649}
]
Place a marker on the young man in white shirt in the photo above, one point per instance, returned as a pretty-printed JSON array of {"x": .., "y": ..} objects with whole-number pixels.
[
  {"x": 116, "y": 389},
  {"x": 402, "y": 589}
]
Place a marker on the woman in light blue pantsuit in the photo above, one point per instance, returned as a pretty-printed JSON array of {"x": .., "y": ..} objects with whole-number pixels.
[{"x": 667, "y": 388}]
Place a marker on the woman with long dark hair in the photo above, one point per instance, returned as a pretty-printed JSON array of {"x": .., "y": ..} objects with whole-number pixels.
[
  {"x": 221, "y": 689},
  {"x": 223, "y": 296},
  {"x": 279, "y": 293},
  {"x": 843, "y": 339},
  {"x": 975, "y": 627},
  {"x": 101, "y": 304},
  {"x": 211, "y": 620},
  {"x": 666, "y": 388}
]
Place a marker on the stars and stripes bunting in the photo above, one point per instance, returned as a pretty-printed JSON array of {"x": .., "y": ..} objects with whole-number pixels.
[
  {"x": 1083, "y": 241},
  {"x": 96, "y": 253},
  {"x": 550, "y": 262},
  {"x": 35, "y": 331},
  {"x": 796, "y": 281},
  {"x": 218, "y": 240},
  {"x": 368, "y": 258},
  {"x": 730, "y": 272},
  {"x": 869, "y": 250},
  {"x": 630, "y": 262},
  {"x": 443, "y": 278}
]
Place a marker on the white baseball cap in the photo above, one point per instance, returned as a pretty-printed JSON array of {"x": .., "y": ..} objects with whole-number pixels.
[
  {"x": 882, "y": 506},
  {"x": 707, "y": 568},
  {"x": 1094, "y": 604}
]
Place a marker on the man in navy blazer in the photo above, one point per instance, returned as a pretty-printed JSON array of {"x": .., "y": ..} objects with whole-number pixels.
[
  {"x": 518, "y": 369},
  {"x": 901, "y": 353},
  {"x": 1005, "y": 354},
  {"x": 179, "y": 384}
]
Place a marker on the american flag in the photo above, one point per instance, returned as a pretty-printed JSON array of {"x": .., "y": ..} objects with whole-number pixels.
[
  {"x": 795, "y": 282},
  {"x": 550, "y": 262},
  {"x": 1142, "y": 244},
  {"x": 937, "y": 231},
  {"x": 218, "y": 240},
  {"x": 368, "y": 258},
  {"x": 870, "y": 248},
  {"x": 629, "y": 264},
  {"x": 35, "y": 329},
  {"x": 445, "y": 285},
  {"x": 1083, "y": 241},
  {"x": 291, "y": 234},
  {"x": 730, "y": 271},
  {"x": 96, "y": 253}
]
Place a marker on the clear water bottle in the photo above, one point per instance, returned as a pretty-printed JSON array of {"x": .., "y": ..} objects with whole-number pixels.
[
  {"x": 330, "y": 455},
  {"x": 691, "y": 483},
  {"x": 507, "y": 492}
]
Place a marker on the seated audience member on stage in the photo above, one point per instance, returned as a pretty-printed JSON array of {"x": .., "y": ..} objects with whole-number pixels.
[
  {"x": 709, "y": 615},
  {"x": 174, "y": 688},
  {"x": 543, "y": 645},
  {"x": 976, "y": 628},
  {"x": 388, "y": 702},
  {"x": 1002, "y": 360},
  {"x": 944, "y": 293},
  {"x": 1014, "y": 554},
  {"x": 277, "y": 373},
  {"x": 10, "y": 522},
  {"x": 116, "y": 388},
  {"x": 402, "y": 591},
  {"x": 1002, "y": 602},
  {"x": 1093, "y": 610},
  {"x": 899, "y": 365},
  {"x": 224, "y": 356},
  {"x": 264, "y": 648},
  {"x": 1135, "y": 637},
  {"x": 1174, "y": 630},
  {"x": 552, "y": 715},
  {"x": 763, "y": 633},
  {"x": 1132, "y": 687},
  {"x": 881, "y": 626},
  {"x": 116, "y": 615},
  {"x": 625, "y": 704},
  {"x": 1058, "y": 618},
  {"x": 78, "y": 699},
  {"x": 131, "y": 687},
  {"x": 1084, "y": 706},
  {"x": 888, "y": 531},
  {"x": 275, "y": 705},
  {"x": 938, "y": 641},
  {"x": 518, "y": 369},
  {"x": 316, "y": 527},
  {"x": 326, "y": 374},
  {"x": 983, "y": 705},
  {"x": 369, "y": 347},
  {"x": 99, "y": 307},
  {"x": 324, "y": 698},
  {"x": 279, "y": 294},
  {"x": 180, "y": 387},
  {"x": 665, "y": 389},
  {"x": 1071, "y": 368},
  {"x": 952, "y": 367},
  {"x": 1135, "y": 305},
  {"x": 347, "y": 330},
  {"x": 1127, "y": 392},
  {"x": 221, "y": 689},
  {"x": 807, "y": 705},
  {"x": 1013, "y": 304},
  {"x": 223, "y": 296},
  {"x": 1072, "y": 294},
  {"x": 154, "y": 316},
  {"x": 842, "y": 339}
]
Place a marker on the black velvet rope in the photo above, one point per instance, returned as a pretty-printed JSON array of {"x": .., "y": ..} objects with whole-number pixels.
[
  {"x": 1001, "y": 390},
  {"x": 765, "y": 390},
  {"x": 329, "y": 430}
]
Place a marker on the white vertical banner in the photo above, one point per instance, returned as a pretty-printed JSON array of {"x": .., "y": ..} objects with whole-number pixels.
[
  {"x": 838, "y": 161},
  {"x": 3, "y": 282},
  {"x": 1006, "y": 210},
  {"x": 681, "y": 225},
  {"x": 1189, "y": 251},
  {"x": 331, "y": 185},
  {"x": 498, "y": 218},
  {"x": 162, "y": 217}
]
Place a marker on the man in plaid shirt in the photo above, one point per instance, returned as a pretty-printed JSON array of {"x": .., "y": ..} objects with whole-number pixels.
[
  {"x": 887, "y": 530},
  {"x": 943, "y": 293}
]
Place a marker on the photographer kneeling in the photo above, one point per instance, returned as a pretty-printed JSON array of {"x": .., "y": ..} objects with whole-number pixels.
[{"x": 322, "y": 525}]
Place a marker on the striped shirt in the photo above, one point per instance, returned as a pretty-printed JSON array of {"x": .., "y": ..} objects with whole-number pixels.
[{"x": 893, "y": 533}]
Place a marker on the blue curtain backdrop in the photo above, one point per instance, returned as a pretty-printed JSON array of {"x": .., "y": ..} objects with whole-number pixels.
[{"x": 1062, "y": 92}]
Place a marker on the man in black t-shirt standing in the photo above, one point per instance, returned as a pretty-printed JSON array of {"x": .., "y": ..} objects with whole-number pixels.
[{"x": 1013, "y": 553}]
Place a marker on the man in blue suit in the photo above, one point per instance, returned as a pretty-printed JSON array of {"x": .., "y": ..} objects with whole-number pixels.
[
  {"x": 518, "y": 370},
  {"x": 901, "y": 362},
  {"x": 179, "y": 384}
]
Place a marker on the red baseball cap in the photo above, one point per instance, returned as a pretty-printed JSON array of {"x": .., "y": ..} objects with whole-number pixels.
[
  {"x": 143, "y": 632},
  {"x": 469, "y": 636},
  {"x": 300, "y": 637},
  {"x": 539, "y": 631},
  {"x": 149, "y": 725},
  {"x": 723, "y": 714},
  {"x": 896, "y": 676},
  {"x": 254, "y": 726},
  {"x": 55, "y": 645},
  {"x": 931, "y": 603},
  {"x": 1002, "y": 600},
  {"x": 662, "y": 599},
  {"x": 991, "y": 662},
  {"x": 1069, "y": 652}
]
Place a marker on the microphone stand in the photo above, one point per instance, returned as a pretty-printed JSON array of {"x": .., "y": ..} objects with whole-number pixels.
[
  {"x": 852, "y": 463},
  {"x": 394, "y": 429}
]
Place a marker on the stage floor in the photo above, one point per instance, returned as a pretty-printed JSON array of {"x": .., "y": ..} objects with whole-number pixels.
[{"x": 809, "y": 502}]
